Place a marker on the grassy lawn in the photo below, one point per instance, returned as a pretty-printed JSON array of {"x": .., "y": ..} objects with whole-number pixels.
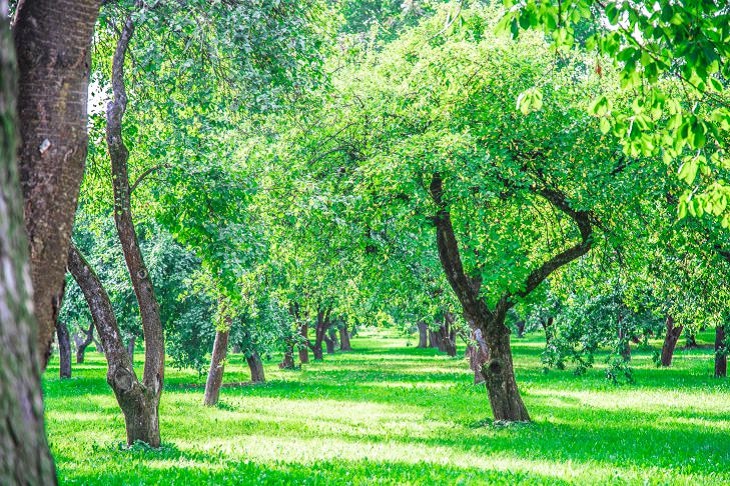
[{"x": 392, "y": 414}]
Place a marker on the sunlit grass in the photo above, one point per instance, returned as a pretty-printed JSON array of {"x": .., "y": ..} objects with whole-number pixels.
[{"x": 389, "y": 413}]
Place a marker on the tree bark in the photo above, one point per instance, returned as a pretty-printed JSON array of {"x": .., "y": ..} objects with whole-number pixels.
[
  {"x": 287, "y": 363},
  {"x": 256, "y": 367},
  {"x": 139, "y": 401},
  {"x": 154, "y": 364},
  {"x": 720, "y": 352},
  {"x": 422, "y": 335},
  {"x": 624, "y": 346},
  {"x": 330, "y": 344},
  {"x": 520, "y": 325},
  {"x": 447, "y": 337},
  {"x": 24, "y": 454},
  {"x": 130, "y": 348},
  {"x": 345, "y": 338},
  {"x": 303, "y": 348},
  {"x": 82, "y": 344},
  {"x": 323, "y": 322},
  {"x": 64, "y": 349},
  {"x": 433, "y": 339},
  {"x": 670, "y": 341},
  {"x": 547, "y": 324},
  {"x": 217, "y": 364},
  {"x": 53, "y": 38}
]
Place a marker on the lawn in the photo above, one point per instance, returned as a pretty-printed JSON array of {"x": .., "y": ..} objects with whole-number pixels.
[{"x": 389, "y": 413}]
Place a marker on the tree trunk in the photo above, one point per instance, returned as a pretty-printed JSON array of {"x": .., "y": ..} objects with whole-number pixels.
[
  {"x": 154, "y": 364},
  {"x": 670, "y": 341},
  {"x": 64, "y": 349},
  {"x": 720, "y": 352},
  {"x": 423, "y": 335},
  {"x": 624, "y": 346},
  {"x": 139, "y": 401},
  {"x": 320, "y": 331},
  {"x": 83, "y": 343},
  {"x": 330, "y": 342},
  {"x": 217, "y": 364},
  {"x": 236, "y": 349},
  {"x": 547, "y": 324},
  {"x": 24, "y": 454},
  {"x": 447, "y": 337},
  {"x": 53, "y": 38},
  {"x": 432, "y": 339},
  {"x": 520, "y": 325},
  {"x": 130, "y": 348},
  {"x": 287, "y": 363},
  {"x": 345, "y": 338},
  {"x": 256, "y": 367},
  {"x": 303, "y": 348},
  {"x": 478, "y": 355},
  {"x": 99, "y": 347},
  {"x": 691, "y": 342}
]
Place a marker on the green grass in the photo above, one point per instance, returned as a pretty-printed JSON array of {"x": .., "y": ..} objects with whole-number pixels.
[{"x": 392, "y": 414}]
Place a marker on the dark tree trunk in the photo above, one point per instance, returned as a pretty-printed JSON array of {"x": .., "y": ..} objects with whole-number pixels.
[
  {"x": 433, "y": 340},
  {"x": 330, "y": 339},
  {"x": 323, "y": 322},
  {"x": 24, "y": 454},
  {"x": 303, "y": 348},
  {"x": 498, "y": 372},
  {"x": 423, "y": 335},
  {"x": 130, "y": 348},
  {"x": 520, "y": 325},
  {"x": 623, "y": 341},
  {"x": 720, "y": 352},
  {"x": 345, "y": 338},
  {"x": 217, "y": 364},
  {"x": 547, "y": 324},
  {"x": 64, "y": 349},
  {"x": 83, "y": 343},
  {"x": 447, "y": 336},
  {"x": 139, "y": 401},
  {"x": 53, "y": 38},
  {"x": 256, "y": 367},
  {"x": 154, "y": 364},
  {"x": 287, "y": 362},
  {"x": 670, "y": 341},
  {"x": 478, "y": 355}
]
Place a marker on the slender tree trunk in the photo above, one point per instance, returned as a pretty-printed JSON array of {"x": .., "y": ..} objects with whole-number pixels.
[
  {"x": 82, "y": 344},
  {"x": 547, "y": 324},
  {"x": 720, "y": 352},
  {"x": 24, "y": 454},
  {"x": 345, "y": 338},
  {"x": 422, "y": 335},
  {"x": 520, "y": 325},
  {"x": 670, "y": 341},
  {"x": 320, "y": 331},
  {"x": 154, "y": 364},
  {"x": 624, "y": 346},
  {"x": 217, "y": 364},
  {"x": 64, "y": 349},
  {"x": 139, "y": 401},
  {"x": 448, "y": 335},
  {"x": 53, "y": 38},
  {"x": 130, "y": 348},
  {"x": 330, "y": 342},
  {"x": 303, "y": 348},
  {"x": 256, "y": 367},
  {"x": 287, "y": 363}
]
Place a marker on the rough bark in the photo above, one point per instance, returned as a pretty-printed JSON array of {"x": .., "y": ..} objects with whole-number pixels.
[
  {"x": 83, "y": 342},
  {"x": 345, "y": 338},
  {"x": 720, "y": 352},
  {"x": 670, "y": 341},
  {"x": 422, "y": 334},
  {"x": 504, "y": 397},
  {"x": 53, "y": 38},
  {"x": 139, "y": 401},
  {"x": 478, "y": 355},
  {"x": 303, "y": 348},
  {"x": 154, "y": 364},
  {"x": 24, "y": 454},
  {"x": 64, "y": 349},
  {"x": 130, "y": 348},
  {"x": 217, "y": 365},
  {"x": 256, "y": 367}
]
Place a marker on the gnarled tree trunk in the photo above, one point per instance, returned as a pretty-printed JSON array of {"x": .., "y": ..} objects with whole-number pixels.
[
  {"x": 670, "y": 341},
  {"x": 83, "y": 342},
  {"x": 139, "y": 401},
  {"x": 303, "y": 348},
  {"x": 154, "y": 363},
  {"x": 53, "y": 38},
  {"x": 24, "y": 454},
  {"x": 422, "y": 334},
  {"x": 720, "y": 352},
  {"x": 217, "y": 365},
  {"x": 64, "y": 349},
  {"x": 256, "y": 367},
  {"x": 345, "y": 338}
]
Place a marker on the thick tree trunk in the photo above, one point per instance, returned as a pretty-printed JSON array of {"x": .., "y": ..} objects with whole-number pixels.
[
  {"x": 64, "y": 349},
  {"x": 303, "y": 348},
  {"x": 24, "y": 454},
  {"x": 154, "y": 364},
  {"x": 345, "y": 338},
  {"x": 256, "y": 367},
  {"x": 433, "y": 339},
  {"x": 139, "y": 401},
  {"x": 422, "y": 335},
  {"x": 130, "y": 348},
  {"x": 720, "y": 352},
  {"x": 670, "y": 341},
  {"x": 83, "y": 343},
  {"x": 217, "y": 364},
  {"x": 53, "y": 38}
]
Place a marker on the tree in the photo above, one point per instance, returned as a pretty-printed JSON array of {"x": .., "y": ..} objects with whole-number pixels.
[
  {"x": 24, "y": 454},
  {"x": 54, "y": 48}
]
